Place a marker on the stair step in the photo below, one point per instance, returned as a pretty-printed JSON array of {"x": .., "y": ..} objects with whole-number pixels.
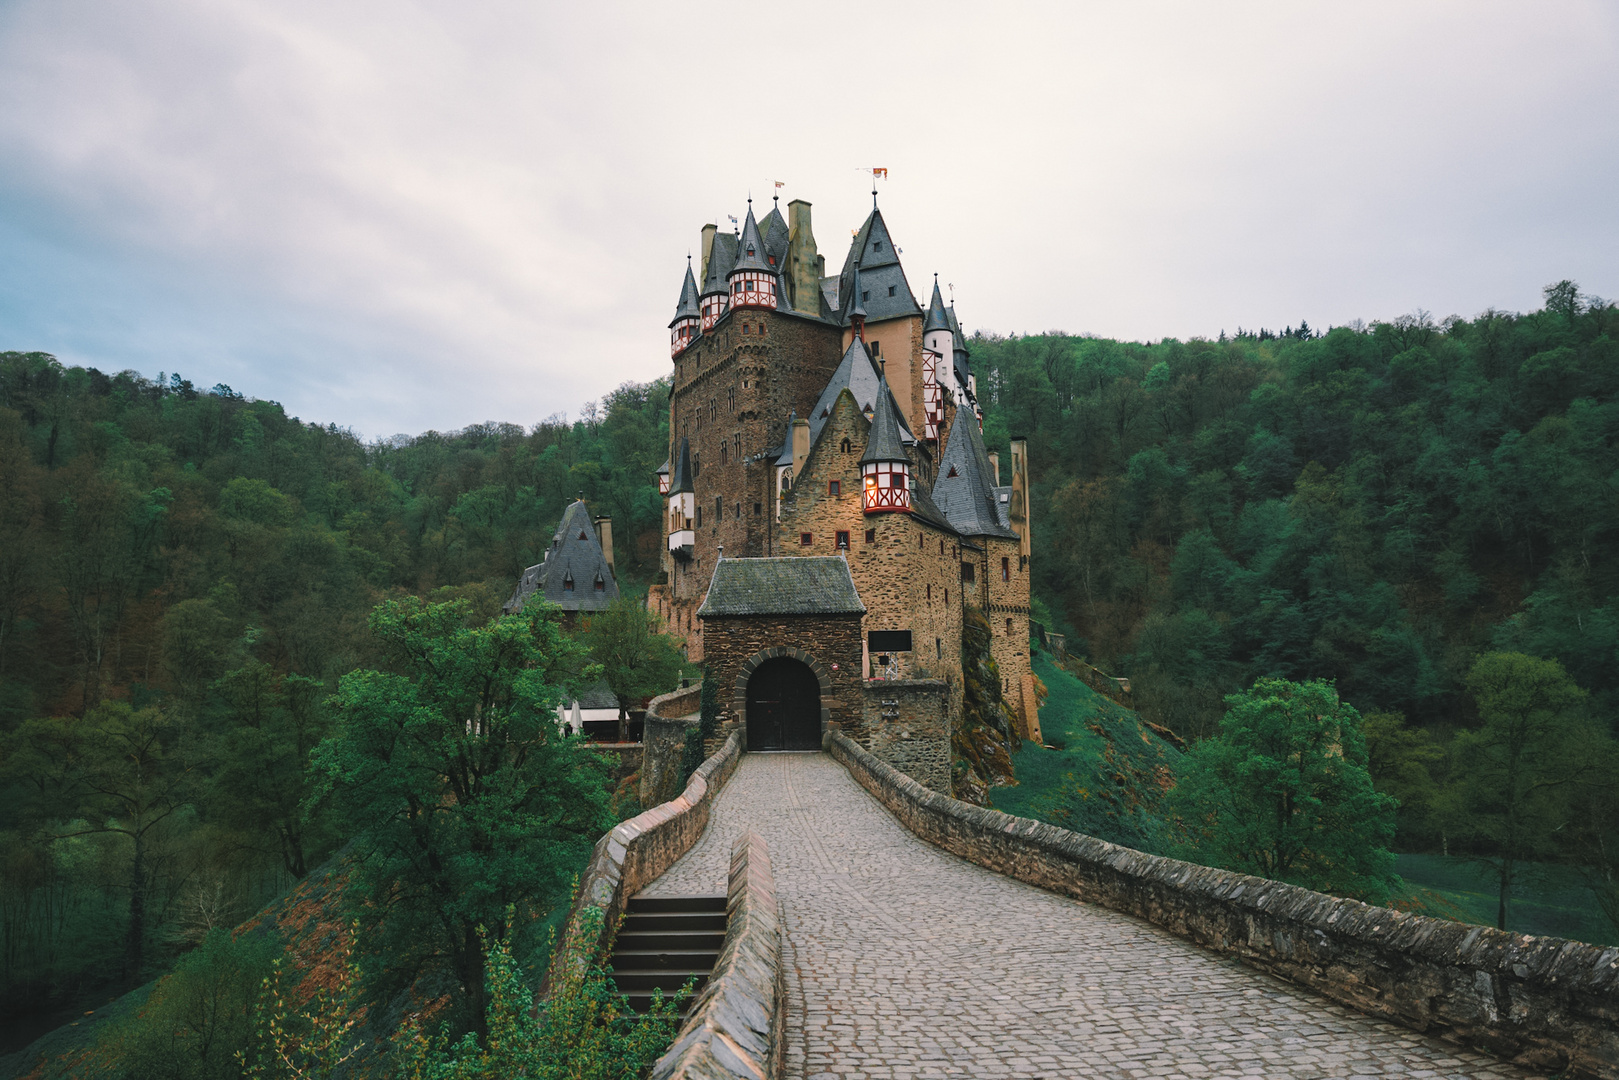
[
  {"x": 672, "y": 941},
  {"x": 662, "y": 960},
  {"x": 667, "y": 981},
  {"x": 640, "y": 924},
  {"x": 646, "y": 905}
]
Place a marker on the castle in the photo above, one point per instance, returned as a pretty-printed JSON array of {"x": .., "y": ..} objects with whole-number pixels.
[{"x": 831, "y": 507}]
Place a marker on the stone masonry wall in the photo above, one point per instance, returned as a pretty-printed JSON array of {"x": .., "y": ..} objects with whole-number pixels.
[
  {"x": 663, "y": 742},
  {"x": 909, "y": 723},
  {"x": 830, "y": 642},
  {"x": 907, "y": 576},
  {"x": 635, "y": 852},
  {"x": 1546, "y": 1003}
]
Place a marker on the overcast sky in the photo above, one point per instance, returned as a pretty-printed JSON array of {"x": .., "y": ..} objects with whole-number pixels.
[{"x": 398, "y": 216}]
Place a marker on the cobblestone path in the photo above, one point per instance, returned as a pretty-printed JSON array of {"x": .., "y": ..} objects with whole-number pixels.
[{"x": 904, "y": 961}]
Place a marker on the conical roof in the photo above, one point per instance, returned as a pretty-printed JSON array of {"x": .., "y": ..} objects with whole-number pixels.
[
  {"x": 884, "y": 442},
  {"x": 776, "y": 233},
  {"x": 965, "y": 489},
  {"x": 873, "y": 255},
  {"x": 751, "y": 253},
  {"x": 859, "y": 373},
  {"x": 681, "y": 480},
  {"x": 690, "y": 307},
  {"x": 938, "y": 318},
  {"x": 721, "y": 257}
]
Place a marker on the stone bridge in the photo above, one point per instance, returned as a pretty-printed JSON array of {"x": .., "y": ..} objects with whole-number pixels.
[{"x": 902, "y": 960}]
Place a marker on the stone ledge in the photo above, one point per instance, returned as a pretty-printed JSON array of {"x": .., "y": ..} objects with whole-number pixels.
[
  {"x": 1544, "y": 1002},
  {"x": 736, "y": 1026},
  {"x": 635, "y": 852}
]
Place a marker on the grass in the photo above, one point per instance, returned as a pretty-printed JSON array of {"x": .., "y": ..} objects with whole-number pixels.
[
  {"x": 1547, "y": 899},
  {"x": 1102, "y": 771}
]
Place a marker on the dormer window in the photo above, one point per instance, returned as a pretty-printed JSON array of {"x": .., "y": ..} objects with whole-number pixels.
[
  {"x": 865, "y": 294},
  {"x": 567, "y": 583},
  {"x": 601, "y": 584},
  {"x": 891, "y": 289},
  {"x": 876, "y": 245}
]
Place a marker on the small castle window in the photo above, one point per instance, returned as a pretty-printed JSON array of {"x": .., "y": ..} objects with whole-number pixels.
[
  {"x": 834, "y": 487},
  {"x": 761, "y": 329},
  {"x": 567, "y": 583},
  {"x": 896, "y": 480},
  {"x": 1008, "y": 627},
  {"x": 930, "y": 592},
  {"x": 938, "y": 647},
  {"x": 758, "y": 508},
  {"x": 581, "y": 534},
  {"x": 952, "y": 473},
  {"x": 1006, "y": 575},
  {"x": 806, "y": 539},
  {"x": 843, "y": 541},
  {"x": 967, "y": 572},
  {"x": 744, "y": 328},
  {"x": 891, "y": 289},
  {"x": 865, "y": 294},
  {"x": 871, "y": 536},
  {"x": 601, "y": 585},
  {"x": 876, "y": 245},
  {"x": 844, "y": 446}
]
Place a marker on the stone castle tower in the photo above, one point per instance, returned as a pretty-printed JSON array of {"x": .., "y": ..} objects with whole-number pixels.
[{"x": 831, "y": 506}]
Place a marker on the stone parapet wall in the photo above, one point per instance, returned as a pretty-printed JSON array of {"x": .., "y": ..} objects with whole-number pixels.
[
  {"x": 1544, "y": 1002},
  {"x": 908, "y": 725},
  {"x": 736, "y": 1026},
  {"x": 635, "y": 852},
  {"x": 663, "y": 740}
]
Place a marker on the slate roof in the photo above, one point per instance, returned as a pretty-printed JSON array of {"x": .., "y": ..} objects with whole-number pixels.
[
  {"x": 883, "y": 443},
  {"x": 883, "y": 289},
  {"x": 751, "y": 254},
  {"x": 806, "y": 585},
  {"x": 575, "y": 555},
  {"x": 937, "y": 318},
  {"x": 599, "y": 696},
  {"x": 859, "y": 373},
  {"x": 721, "y": 257},
  {"x": 689, "y": 306},
  {"x": 680, "y": 481},
  {"x": 968, "y": 498},
  {"x": 1003, "y": 503},
  {"x": 959, "y": 358},
  {"x": 774, "y": 229}
]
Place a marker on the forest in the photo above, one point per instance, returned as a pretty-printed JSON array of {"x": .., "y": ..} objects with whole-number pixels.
[{"x": 1413, "y": 520}]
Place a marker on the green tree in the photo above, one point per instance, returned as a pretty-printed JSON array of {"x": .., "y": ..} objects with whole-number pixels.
[
  {"x": 1401, "y": 760},
  {"x": 1282, "y": 791},
  {"x": 636, "y": 660},
  {"x": 117, "y": 771},
  {"x": 468, "y": 797},
  {"x": 1515, "y": 773}
]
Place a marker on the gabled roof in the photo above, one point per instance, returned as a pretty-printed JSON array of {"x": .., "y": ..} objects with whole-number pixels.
[
  {"x": 965, "y": 489},
  {"x": 883, "y": 443},
  {"x": 883, "y": 290},
  {"x": 806, "y": 585},
  {"x": 750, "y": 252},
  {"x": 938, "y": 318},
  {"x": 859, "y": 374},
  {"x": 721, "y": 257},
  {"x": 574, "y": 559},
  {"x": 690, "y": 306},
  {"x": 681, "y": 480},
  {"x": 774, "y": 229}
]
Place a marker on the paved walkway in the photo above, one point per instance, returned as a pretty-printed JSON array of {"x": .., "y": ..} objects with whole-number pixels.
[{"x": 904, "y": 961}]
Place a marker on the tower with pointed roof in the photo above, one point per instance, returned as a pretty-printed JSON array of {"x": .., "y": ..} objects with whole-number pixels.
[
  {"x": 685, "y": 327},
  {"x": 831, "y": 416}
]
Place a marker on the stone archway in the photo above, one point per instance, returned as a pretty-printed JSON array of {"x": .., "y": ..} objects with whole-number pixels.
[{"x": 780, "y": 693}]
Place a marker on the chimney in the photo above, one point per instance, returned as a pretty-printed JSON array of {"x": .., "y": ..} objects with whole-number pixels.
[
  {"x": 995, "y": 467},
  {"x": 801, "y": 447},
  {"x": 803, "y": 261},
  {"x": 1021, "y": 523},
  {"x": 708, "y": 249},
  {"x": 604, "y": 533}
]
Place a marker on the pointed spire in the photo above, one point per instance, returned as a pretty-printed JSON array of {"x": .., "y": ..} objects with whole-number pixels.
[
  {"x": 751, "y": 253},
  {"x": 938, "y": 318},
  {"x": 857, "y": 308},
  {"x": 690, "y": 306},
  {"x": 680, "y": 482},
  {"x": 884, "y": 442}
]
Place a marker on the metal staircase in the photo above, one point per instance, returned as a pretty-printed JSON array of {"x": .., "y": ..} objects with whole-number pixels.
[{"x": 663, "y": 942}]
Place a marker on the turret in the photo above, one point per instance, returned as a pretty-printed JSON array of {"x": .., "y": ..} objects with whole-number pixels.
[
  {"x": 682, "y": 504},
  {"x": 856, "y": 307},
  {"x": 715, "y": 297},
  {"x": 663, "y": 479},
  {"x": 752, "y": 279},
  {"x": 685, "y": 327},
  {"x": 885, "y": 471},
  {"x": 938, "y": 363}
]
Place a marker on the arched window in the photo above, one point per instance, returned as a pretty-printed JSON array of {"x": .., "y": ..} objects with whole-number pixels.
[{"x": 844, "y": 446}]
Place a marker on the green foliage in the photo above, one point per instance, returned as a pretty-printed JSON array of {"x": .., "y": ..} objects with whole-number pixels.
[
  {"x": 197, "y": 1017},
  {"x": 584, "y": 1030},
  {"x": 470, "y": 798},
  {"x": 1102, "y": 773},
  {"x": 1402, "y": 760},
  {"x": 1283, "y": 792},
  {"x": 983, "y": 743},
  {"x": 636, "y": 659},
  {"x": 312, "y": 1042},
  {"x": 1517, "y": 773}
]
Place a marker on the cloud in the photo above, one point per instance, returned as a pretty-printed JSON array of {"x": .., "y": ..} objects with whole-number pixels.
[{"x": 408, "y": 215}]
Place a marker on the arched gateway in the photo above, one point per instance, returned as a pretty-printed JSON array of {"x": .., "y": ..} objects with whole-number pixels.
[{"x": 784, "y": 706}]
